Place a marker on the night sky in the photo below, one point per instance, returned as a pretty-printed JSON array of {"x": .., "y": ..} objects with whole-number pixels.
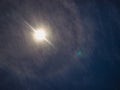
[{"x": 85, "y": 50}]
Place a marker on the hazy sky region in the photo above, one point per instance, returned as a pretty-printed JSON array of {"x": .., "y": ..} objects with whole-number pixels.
[{"x": 82, "y": 51}]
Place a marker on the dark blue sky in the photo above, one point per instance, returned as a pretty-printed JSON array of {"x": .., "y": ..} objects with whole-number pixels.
[{"x": 86, "y": 36}]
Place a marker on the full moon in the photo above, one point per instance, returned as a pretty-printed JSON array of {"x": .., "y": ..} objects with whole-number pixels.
[{"x": 40, "y": 34}]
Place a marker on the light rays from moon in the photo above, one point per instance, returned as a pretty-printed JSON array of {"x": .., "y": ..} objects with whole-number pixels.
[{"x": 39, "y": 34}]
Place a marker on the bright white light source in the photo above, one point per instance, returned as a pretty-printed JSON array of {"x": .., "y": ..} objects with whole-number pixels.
[{"x": 39, "y": 35}]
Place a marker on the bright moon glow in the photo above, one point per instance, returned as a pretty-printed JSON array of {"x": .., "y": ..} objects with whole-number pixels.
[{"x": 39, "y": 35}]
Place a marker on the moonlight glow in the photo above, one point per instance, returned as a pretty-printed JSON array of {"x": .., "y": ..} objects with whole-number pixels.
[{"x": 39, "y": 35}]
